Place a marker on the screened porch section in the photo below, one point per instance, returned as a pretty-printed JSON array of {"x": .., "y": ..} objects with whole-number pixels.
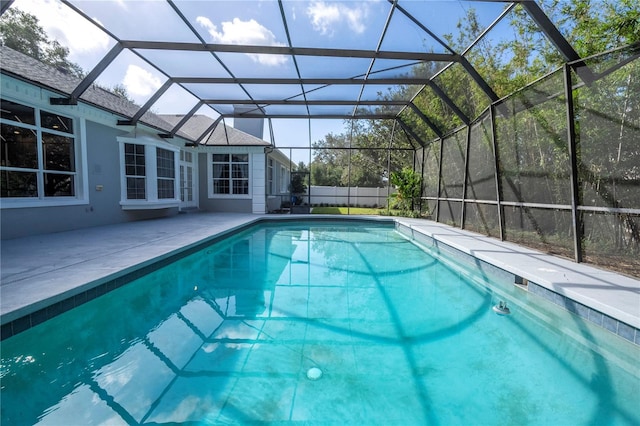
[{"x": 517, "y": 120}]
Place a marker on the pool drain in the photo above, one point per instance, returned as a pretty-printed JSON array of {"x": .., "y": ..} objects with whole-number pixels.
[{"x": 314, "y": 373}]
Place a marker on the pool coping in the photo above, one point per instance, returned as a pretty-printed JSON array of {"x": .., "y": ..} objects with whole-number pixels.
[
  {"x": 108, "y": 257},
  {"x": 578, "y": 288}
]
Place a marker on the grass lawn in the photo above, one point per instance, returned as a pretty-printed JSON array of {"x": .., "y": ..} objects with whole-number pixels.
[{"x": 352, "y": 210}]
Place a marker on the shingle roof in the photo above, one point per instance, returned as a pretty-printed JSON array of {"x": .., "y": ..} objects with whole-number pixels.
[
  {"x": 223, "y": 135},
  {"x": 29, "y": 69},
  {"x": 26, "y": 68}
]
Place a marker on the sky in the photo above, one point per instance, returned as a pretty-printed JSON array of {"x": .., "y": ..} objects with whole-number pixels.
[{"x": 345, "y": 25}]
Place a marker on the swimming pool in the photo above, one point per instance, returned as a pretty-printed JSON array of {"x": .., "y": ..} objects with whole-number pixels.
[{"x": 229, "y": 334}]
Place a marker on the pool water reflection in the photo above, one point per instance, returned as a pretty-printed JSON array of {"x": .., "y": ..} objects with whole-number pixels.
[{"x": 230, "y": 333}]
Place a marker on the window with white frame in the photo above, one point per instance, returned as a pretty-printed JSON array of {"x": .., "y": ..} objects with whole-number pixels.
[
  {"x": 186, "y": 176},
  {"x": 284, "y": 180},
  {"x": 230, "y": 174},
  {"x": 270, "y": 180},
  {"x": 166, "y": 173},
  {"x": 38, "y": 154},
  {"x": 135, "y": 171},
  {"x": 149, "y": 179}
]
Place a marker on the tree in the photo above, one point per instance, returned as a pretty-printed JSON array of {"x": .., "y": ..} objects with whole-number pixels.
[
  {"x": 21, "y": 31},
  {"x": 362, "y": 156},
  {"x": 298, "y": 185}
]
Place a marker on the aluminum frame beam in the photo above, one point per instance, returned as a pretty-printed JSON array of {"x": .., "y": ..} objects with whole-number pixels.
[
  {"x": 475, "y": 76},
  {"x": 447, "y": 100},
  {"x": 90, "y": 78},
  {"x": 550, "y": 30},
  {"x": 296, "y": 81},
  {"x": 323, "y": 116},
  {"x": 426, "y": 120},
  {"x": 4, "y": 5},
  {"x": 340, "y": 102},
  {"x": 288, "y": 51},
  {"x": 410, "y": 131},
  {"x": 152, "y": 100},
  {"x": 293, "y": 57},
  {"x": 210, "y": 129},
  {"x": 184, "y": 119}
]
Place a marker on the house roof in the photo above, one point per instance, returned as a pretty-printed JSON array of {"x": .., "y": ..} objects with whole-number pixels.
[
  {"x": 28, "y": 69},
  {"x": 222, "y": 135}
]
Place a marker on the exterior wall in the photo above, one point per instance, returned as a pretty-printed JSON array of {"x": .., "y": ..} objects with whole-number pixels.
[
  {"x": 226, "y": 205},
  {"x": 103, "y": 207},
  {"x": 258, "y": 179},
  {"x": 98, "y": 163}
]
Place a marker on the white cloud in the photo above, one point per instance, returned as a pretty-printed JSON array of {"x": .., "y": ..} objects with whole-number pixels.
[
  {"x": 248, "y": 32},
  {"x": 66, "y": 26},
  {"x": 140, "y": 82},
  {"x": 326, "y": 17}
]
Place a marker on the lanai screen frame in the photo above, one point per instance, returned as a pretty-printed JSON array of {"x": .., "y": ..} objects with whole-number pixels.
[
  {"x": 362, "y": 109},
  {"x": 260, "y": 110}
]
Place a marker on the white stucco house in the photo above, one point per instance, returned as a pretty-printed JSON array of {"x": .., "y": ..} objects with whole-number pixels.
[{"x": 67, "y": 165}]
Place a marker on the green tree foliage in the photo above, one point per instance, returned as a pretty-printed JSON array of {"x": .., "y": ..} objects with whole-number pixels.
[
  {"x": 531, "y": 127},
  {"x": 408, "y": 183},
  {"x": 360, "y": 156},
  {"x": 21, "y": 31}
]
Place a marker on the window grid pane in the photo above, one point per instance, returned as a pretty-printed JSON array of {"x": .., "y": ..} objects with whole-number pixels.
[
  {"x": 231, "y": 174},
  {"x": 18, "y": 184},
  {"x": 136, "y": 188},
  {"x": 166, "y": 188},
  {"x": 135, "y": 171},
  {"x": 166, "y": 173},
  {"x": 56, "y": 122},
  {"x": 166, "y": 165},
  {"x": 17, "y": 112},
  {"x": 19, "y": 147},
  {"x": 220, "y": 186},
  {"x": 58, "y": 152},
  {"x": 240, "y": 186},
  {"x": 37, "y": 152},
  {"x": 58, "y": 185}
]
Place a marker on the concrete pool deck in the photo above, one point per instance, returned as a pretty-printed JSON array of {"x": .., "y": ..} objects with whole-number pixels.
[{"x": 40, "y": 271}]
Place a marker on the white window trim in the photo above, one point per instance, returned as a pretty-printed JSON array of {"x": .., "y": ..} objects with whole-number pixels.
[
  {"x": 151, "y": 169},
  {"x": 271, "y": 176},
  {"x": 210, "y": 178},
  {"x": 284, "y": 184},
  {"x": 80, "y": 151},
  {"x": 195, "y": 178}
]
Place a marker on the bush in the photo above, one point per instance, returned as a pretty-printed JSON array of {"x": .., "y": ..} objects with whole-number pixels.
[{"x": 408, "y": 182}]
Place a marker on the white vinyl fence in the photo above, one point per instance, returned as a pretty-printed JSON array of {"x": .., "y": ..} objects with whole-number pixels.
[{"x": 342, "y": 196}]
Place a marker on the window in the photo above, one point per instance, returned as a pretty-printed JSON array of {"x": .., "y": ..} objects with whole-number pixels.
[
  {"x": 284, "y": 180},
  {"x": 135, "y": 171},
  {"x": 149, "y": 179},
  {"x": 166, "y": 173},
  {"x": 38, "y": 154},
  {"x": 187, "y": 188},
  {"x": 230, "y": 174},
  {"x": 270, "y": 180}
]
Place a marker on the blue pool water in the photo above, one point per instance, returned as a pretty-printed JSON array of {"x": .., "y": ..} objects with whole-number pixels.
[{"x": 239, "y": 332}]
